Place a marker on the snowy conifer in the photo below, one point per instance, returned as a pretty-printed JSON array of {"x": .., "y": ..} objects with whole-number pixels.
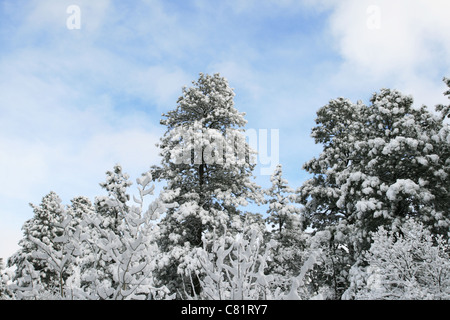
[
  {"x": 206, "y": 164},
  {"x": 284, "y": 221},
  {"x": 380, "y": 164},
  {"x": 110, "y": 212},
  {"x": 282, "y": 213},
  {"x": 61, "y": 257},
  {"x": 445, "y": 110},
  {"x": 5, "y": 277},
  {"x": 80, "y": 212},
  {"x": 114, "y": 207},
  {"x": 43, "y": 227}
]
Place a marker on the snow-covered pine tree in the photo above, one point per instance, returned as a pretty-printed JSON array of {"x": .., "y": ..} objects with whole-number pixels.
[
  {"x": 80, "y": 208},
  {"x": 380, "y": 164},
  {"x": 113, "y": 208},
  {"x": 445, "y": 110},
  {"x": 206, "y": 164},
  {"x": 81, "y": 211},
  {"x": 4, "y": 279},
  {"x": 282, "y": 213},
  {"x": 284, "y": 220},
  {"x": 61, "y": 256},
  {"x": 44, "y": 227},
  {"x": 110, "y": 212}
]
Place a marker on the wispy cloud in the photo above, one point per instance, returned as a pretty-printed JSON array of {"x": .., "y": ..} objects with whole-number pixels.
[{"x": 393, "y": 43}]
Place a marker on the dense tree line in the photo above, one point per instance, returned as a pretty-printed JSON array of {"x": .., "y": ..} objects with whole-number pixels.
[{"x": 372, "y": 222}]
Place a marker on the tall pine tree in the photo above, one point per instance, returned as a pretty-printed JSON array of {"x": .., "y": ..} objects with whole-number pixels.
[{"x": 206, "y": 164}]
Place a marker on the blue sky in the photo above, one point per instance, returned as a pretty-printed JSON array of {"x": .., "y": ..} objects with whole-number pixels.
[{"x": 75, "y": 102}]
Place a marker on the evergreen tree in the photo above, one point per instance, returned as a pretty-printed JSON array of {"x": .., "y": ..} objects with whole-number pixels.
[
  {"x": 43, "y": 227},
  {"x": 206, "y": 163},
  {"x": 282, "y": 213},
  {"x": 103, "y": 227},
  {"x": 4, "y": 279},
  {"x": 113, "y": 208},
  {"x": 80, "y": 208},
  {"x": 82, "y": 211},
  {"x": 284, "y": 220},
  {"x": 380, "y": 164},
  {"x": 61, "y": 256},
  {"x": 445, "y": 110}
]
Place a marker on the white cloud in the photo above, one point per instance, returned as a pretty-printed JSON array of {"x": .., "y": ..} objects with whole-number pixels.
[
  {"x": 398, "y": 44},
  {"x": 406, "y": 37}
]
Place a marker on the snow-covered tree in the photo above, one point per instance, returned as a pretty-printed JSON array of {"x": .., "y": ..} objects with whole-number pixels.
[
  {"x": 5, "y": 277},
  {"x": 329, "y": 276},
  {"x": 445, "y": 110},
  {"x": 110, "y": 212},
  {"x": 61, "y": 258},
  {"x": 380, "y": 164},
  {"x": 234, "y": 271},
  {"x": 122, "y": 259},
  {"x": 285, "y": 225},
  {"x": 30, "y": 271},
  {"x": 410, "y": 263},
  {"x": 81, "y": 211},
  {"x": 240, "y": 270},
  {"x": 207, "y": 165},
  {"x": 282, "y": 213},
  {"x": 80, "y": 208},
  {"x": 114, "y": 207},
  {"x": 49, "y": 256}
]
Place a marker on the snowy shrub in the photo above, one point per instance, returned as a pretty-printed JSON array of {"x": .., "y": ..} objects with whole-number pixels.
[
  {"x": 238, "y": 271},
  {"x": 407, "y": 264},
  {"x": 127, "y": 251}
]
